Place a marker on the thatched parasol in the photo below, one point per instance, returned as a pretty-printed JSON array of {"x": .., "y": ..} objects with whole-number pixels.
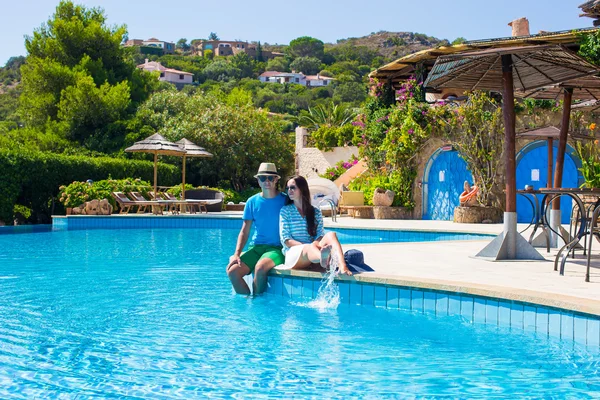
[
  {"x": 156, "y": 144},
  {"x": 507, "y": 69},
  {"x": 583, "y": 88},
  {"x": 191, "y": 150}
]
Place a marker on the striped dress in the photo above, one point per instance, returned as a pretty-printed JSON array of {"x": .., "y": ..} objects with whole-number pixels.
[{"x": 293, "y": 226}]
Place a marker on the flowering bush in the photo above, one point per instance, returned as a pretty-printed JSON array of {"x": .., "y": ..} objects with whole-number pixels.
[
  {"x": 332, "y": 173},
  {"x": 77, "y": 193},
  {"x": 74, "y": 194},
  {"x": 589, "y": 153}
]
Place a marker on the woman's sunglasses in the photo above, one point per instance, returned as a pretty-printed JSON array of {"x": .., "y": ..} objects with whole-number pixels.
[
  {"x": 263, "y": 178},
  {"x": 288, "y": 188}
]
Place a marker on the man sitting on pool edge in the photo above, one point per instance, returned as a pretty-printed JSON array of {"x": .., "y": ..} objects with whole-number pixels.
[{"x": 264, "y": 252}]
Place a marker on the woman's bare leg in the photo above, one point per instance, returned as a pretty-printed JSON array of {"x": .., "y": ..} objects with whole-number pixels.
[{"x": 331, "y": 239}]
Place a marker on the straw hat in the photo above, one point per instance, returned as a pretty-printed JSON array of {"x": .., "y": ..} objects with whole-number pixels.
[{"x": 267, "y": 168}]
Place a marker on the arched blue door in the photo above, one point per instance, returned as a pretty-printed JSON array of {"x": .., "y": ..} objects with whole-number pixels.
[
  {"x": 445, "y": 180},
  {"x": 532, "y": 169}
]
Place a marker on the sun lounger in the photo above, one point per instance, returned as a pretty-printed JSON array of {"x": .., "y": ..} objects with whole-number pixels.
[
  {"x": 157, "y": 206},
  {"x": 125, "y": 203}
]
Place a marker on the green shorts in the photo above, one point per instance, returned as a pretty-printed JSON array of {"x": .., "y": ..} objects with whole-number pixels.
[{"x": 256, "y": 253}]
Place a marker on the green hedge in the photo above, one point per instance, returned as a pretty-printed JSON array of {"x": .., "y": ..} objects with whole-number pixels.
[{"x": 32, "y": 179}]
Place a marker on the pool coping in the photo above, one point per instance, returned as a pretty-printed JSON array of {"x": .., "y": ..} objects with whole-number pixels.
[{"x": 530, "y": 297}]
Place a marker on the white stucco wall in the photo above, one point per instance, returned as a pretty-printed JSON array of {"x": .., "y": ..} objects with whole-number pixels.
[
  {"x": 174, "y": 78},
  {"x": 311, "y": 161}
]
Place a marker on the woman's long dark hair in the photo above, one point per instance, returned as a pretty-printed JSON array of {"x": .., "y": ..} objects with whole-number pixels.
[{"x": 307, "y": 208}]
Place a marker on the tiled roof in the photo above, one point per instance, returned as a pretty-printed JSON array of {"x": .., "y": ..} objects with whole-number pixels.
[
  {"x": 156, "y": 66},
  {"x": 318, "y": 77},
  {"x": 268, "y": 74}
]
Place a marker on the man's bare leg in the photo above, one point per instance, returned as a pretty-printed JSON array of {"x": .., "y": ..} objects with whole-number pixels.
[
  {"x": 236, "y": 273},
  {"x": 261, "y": 273}
]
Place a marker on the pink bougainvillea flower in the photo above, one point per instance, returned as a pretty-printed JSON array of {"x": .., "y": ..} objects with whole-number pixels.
[{"x": 411, "y": 131}]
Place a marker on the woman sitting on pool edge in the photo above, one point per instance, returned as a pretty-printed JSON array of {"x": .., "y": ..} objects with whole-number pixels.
[{"x": 301, "y": 229}]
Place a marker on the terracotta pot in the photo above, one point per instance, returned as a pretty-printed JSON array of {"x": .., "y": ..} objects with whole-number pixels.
[{"x": 69, "y": 210}]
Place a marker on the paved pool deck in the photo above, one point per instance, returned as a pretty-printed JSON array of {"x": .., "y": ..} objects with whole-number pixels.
[{"x": 450, "y": 266}]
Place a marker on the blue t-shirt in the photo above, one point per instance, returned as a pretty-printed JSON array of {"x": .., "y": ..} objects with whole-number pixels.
[{"x": 264, "y": 213}]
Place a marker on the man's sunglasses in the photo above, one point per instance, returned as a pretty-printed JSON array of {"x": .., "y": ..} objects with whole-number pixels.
[{"x": 269, "y": 178}]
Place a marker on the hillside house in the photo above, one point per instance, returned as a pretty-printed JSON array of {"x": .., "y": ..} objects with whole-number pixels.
[
  {"x": 167, "y": 47},
  {"x": 230, "y": 48},
  {"x": 318, "y": 80},
  {"x": 174, "y": 76},
  {"x": 295, "y": 77}
]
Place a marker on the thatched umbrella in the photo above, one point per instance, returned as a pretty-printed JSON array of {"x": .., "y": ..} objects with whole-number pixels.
[
  {"x": 156, "y": 144},
  {"x": 506, "y": 69},
  {"x": 191, "y": 150},
  {"x": 583, "y": 88}
]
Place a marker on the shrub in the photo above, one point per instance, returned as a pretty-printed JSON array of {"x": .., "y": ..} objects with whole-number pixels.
[
  {"x": 32, "y": 179},
  {"x": 78, "y": 193},
  {"x": 332, "y": 173}
]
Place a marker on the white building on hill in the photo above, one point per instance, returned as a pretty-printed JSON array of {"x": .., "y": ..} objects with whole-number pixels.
[{"x": 179, "y": 78}]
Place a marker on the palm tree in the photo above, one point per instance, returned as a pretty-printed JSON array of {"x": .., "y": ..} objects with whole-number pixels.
[{"x": 331, "y": 115}]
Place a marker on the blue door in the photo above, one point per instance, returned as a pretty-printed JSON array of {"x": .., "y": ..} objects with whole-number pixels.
[
  {"x": 532, "y": 169},
  {"x": 445, "y": 182}
]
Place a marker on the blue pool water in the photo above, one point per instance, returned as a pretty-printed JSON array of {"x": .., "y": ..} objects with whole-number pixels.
[{"x": 150, "y": 314}]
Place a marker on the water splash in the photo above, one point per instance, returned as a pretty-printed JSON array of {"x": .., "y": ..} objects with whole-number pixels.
[{"x": 328, "y": 297}]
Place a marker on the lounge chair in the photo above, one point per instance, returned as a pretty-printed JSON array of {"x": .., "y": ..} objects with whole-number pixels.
[
  {"x": 125, "y": 203},
  {"x": 156, "y": 205}
]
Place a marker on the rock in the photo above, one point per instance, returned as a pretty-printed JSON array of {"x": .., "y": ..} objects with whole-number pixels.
[
  {"x": 383, "y": 197},
  {"x": 91, "y": 207},
  {"x": 477, "y": 215},
  {"x": 104, "y": 207},
  {"x": 77, "y": 210}
]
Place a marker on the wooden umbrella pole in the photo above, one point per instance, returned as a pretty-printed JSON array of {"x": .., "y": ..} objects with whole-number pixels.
[
  {"x": 155, "y": 170},
  {"x": 550, "y": 159},
  {"x": 183, "y": 181},
  {"x": 508, "y": 112},
  {"x": 562, "y": 143}
]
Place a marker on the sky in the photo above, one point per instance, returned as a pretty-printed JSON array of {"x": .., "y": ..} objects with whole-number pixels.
[{"x": 282, "y": 22}]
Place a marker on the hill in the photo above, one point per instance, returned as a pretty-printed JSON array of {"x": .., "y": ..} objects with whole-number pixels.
[{"x": 391, "y": 45}]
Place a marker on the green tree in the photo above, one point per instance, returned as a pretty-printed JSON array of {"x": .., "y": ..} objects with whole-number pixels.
[
  {"x": 209, "y": 54},
  {"x": 306, "y": 65},
  {"x": 244, "y": 63},
  {"x": 330, "y": 115},
  {"x": 259, "y": 53},
  {"x": 458, "y": 40},
  {"x": 183, "y": 45},
  {"x": 239, "y": 135},
  {"x": 213, "y": 36},
  {"x": 350, "y": 92},
  {"x": 278, "y": 64},
  {"x": 221, "y": 70},
  {"x": 73, "y": 49},
  {"x": 305, "y": 46}
]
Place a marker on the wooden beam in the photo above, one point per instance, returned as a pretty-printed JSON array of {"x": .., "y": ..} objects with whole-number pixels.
[
  {"x": 562, "y": 144},
  {"x": 508, "y": 112}
]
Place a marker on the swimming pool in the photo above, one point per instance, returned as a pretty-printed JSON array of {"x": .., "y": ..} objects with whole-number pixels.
[{"x": 150, "y": 313}]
